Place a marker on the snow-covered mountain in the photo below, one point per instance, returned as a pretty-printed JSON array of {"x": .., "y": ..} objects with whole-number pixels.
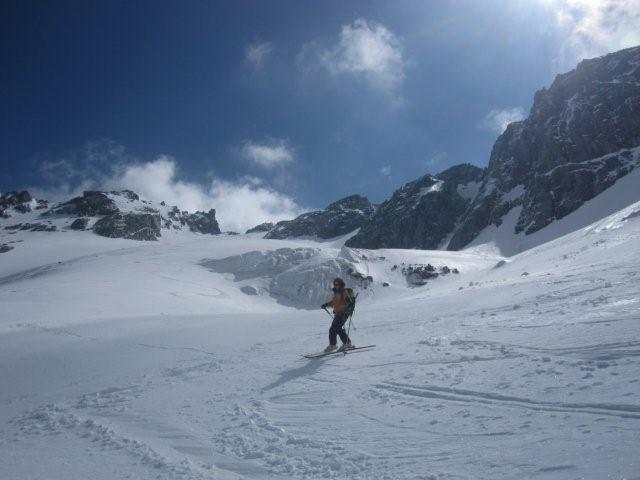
[
  {"x": 423, "y": 213},
  {"x": 138, "y": 342},
  {"x": 121, "y": 214},
  {"x": 135, "y": 359},
  {"x": 340, "y": 217},
  {"x": 581, "y": 137}
]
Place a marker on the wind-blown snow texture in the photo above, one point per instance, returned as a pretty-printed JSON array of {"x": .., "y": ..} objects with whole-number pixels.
[{"x": 130, "y": 359}]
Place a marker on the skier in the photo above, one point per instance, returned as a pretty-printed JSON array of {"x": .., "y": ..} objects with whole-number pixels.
[{"x": 341, "y": 304}]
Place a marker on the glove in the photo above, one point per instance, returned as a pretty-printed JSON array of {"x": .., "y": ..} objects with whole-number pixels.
[{"x": 323, "y": 306}]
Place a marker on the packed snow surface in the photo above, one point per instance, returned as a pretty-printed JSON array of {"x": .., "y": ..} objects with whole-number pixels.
[{"x": 181, "y": 359}]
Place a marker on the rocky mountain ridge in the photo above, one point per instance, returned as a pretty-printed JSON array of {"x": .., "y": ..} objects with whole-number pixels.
[
  {"x": 338, "y": 218},
  {"x": 116, "y": 214},
  {"x": 422, "y": 213},
  {"x": 581, "y": 136},
  {"x": 577, "y": 141}
]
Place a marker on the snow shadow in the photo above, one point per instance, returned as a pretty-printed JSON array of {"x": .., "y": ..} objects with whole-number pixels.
[{"x": 285, "y": 376}]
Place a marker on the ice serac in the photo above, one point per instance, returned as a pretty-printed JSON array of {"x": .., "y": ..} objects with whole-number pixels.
[
  {"x": 297, "y": 277},
  {"x": 578, "y": 140},
  {"x": 422, "y": 213},
  {"x": 339, "y": 218}
]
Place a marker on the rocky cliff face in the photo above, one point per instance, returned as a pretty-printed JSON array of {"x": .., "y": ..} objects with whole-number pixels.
[
  {"x": 19, "y": 202},
  {"x": 133, "y": 226},
  {"x": 339, "y": 218},
  {"x": 198, "y": 222},
  {"x": 422, "y": 213},
  {"x": 582, "y": 135},
  {"x": 577, "y": 141}
]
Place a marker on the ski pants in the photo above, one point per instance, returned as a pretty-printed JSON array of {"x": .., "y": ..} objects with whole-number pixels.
[{"x": 337, "y": 329}]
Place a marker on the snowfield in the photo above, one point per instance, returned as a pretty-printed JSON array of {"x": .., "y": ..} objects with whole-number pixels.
[{"x": 181, "y": 359}]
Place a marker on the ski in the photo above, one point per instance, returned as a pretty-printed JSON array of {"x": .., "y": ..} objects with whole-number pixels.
[{"x": 324, "y": 354}]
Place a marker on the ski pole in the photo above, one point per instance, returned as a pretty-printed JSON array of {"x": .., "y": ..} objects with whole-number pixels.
[
  {"x": 351, "y": 318},
  {"x": 349, "y": 327}
]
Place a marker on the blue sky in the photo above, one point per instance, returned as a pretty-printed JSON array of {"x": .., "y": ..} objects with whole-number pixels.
[{"x": 262, "y": 109}]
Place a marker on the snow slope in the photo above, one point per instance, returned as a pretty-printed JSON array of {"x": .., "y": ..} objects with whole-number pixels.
[
  {"x": 503, "y": 240},
  {"x": 125, "y": 359}
]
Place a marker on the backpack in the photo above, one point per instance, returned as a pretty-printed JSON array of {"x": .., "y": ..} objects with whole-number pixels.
[{"x": 352, "y": 306}]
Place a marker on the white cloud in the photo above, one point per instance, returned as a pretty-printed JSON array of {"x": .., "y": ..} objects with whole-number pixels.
[
  {"x": 275, "y": 153},
  {"x": 498, "y": 119},
  {"x": 156, "y": 180},
  {"x": 385, "y": 171},
  {"x": 245, "y": 204},
  {"x": 258, "y": 53},
  {"x": 239, "y": 204},
  {"x": 104, "y": 165},
  {"x": 364, "y": 48},
  {"x": 593, "y": 28}
]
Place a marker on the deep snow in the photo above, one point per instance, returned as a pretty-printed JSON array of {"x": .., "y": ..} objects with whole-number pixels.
[{"x": 124, "y": 359}]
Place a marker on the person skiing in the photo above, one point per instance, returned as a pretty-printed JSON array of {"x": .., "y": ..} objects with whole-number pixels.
[{"x": 341, "y": 304}]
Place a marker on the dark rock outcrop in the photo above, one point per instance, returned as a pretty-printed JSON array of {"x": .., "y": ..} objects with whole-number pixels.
[
  {"x": 20, "y": 201},
  {"x": 249, "y": 290},
  {"x": 79, "y": 223},
  {"x": 422, "y": 213},
  {"x": 203, "y": 222},
  {"x": 419, "y": 274},
  {"x": 263, "y": 227},
  {"x": 5, "y": 248},
  {"x": 128, "y": 194},
  {"x": 133, "y": 226},
  {"x": 578, "y": 140},
  {"x": 33, "y": 227},
  {"x": 198, "y": 222},
  {"x": 339, "y": 218},
  {"x": 90, "y": 204},
  {"x": 11, "y": 199}
]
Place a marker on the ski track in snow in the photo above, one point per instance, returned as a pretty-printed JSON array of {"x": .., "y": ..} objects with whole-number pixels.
[{"x": 528, "y": 370}]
